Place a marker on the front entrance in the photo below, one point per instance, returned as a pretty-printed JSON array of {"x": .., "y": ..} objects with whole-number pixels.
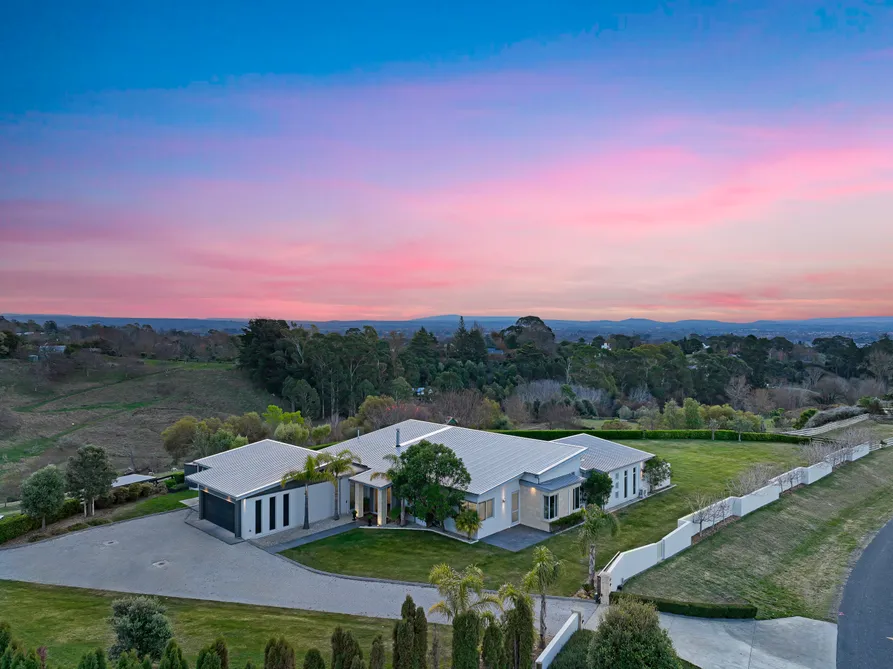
[{"x": 516, "y": 506}]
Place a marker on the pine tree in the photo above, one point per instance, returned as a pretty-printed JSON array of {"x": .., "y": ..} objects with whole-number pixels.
[
  {"x": 313, "y": 660},
  {"x": 93, "y": 660},
  {"x": 466, "y": 641},
  {"x": 376, "y": 657},
  {"x": 420, "y": 639},
  {"x": 6, "y": 637},
  {"x": 407, "y": 611},
  {"x": 279, "y": 654},
  {"x": 493, "y": 647},
  {"x": 172, "y": 658},
  {"x": 403, "y": 645},
  {"x": 222, "y": 652}
]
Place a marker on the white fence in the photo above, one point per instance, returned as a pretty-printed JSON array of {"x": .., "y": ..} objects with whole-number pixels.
[
  {"x": 550, "y": 652},
  {"x": 627, "y": 564}
]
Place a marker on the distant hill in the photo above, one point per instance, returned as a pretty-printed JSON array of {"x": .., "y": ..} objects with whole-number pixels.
[{"x": 860, "y": 328}]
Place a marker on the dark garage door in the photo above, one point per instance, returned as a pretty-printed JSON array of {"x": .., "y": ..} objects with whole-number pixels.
[{"x": 219, "y": 511}]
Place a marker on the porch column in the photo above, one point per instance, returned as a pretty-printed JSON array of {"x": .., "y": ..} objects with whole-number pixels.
[
  {"x": 358, "y": 498},
  {"x": 382, "y": 505}
]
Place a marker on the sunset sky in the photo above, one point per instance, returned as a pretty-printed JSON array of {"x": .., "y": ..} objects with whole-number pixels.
[{"x": 668, "y": 160}]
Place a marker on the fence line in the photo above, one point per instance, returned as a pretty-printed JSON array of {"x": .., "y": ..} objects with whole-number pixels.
[{"x": 629, "y": 563}]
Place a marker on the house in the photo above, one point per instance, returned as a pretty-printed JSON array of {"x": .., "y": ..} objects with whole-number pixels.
[
  {"x": 622, "y": 463},
  {"x": 514, "y": 480}
]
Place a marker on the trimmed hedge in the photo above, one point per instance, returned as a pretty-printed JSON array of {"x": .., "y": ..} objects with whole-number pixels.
[
  {"x": 696, "y": 609},
  {"x": 574, "y": 655},
  {"x": 567, "y": 521},
  {"x": 721, "y": 435},
  {"x": 16, "y": 526}
]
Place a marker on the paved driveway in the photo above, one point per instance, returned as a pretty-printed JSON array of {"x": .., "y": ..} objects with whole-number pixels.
[
  {"x": 162, "y": 555},
  {"x": 866, "y": 612},
  {"x": 516, "y": 538}
]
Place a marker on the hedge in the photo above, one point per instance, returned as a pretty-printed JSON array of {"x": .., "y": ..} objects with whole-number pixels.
[
  {"x": 696, "y": 609},
  {"x": 721, "y": 435},
  {"x": 16, "y": 526},
  {"x": 567, "y": 521},
  {"x": 575, "y": 652}
]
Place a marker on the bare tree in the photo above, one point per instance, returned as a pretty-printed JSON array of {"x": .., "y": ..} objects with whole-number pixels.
[
  {"x": 699, "y": 504},
  {"x": 719, "y": 511},
  {"x": 853, "y": 436},
  {"x": 466, "y": 407},
  {"x": 516, "y": 410},
  {"x": 739, "y": 392},
  {"x": 558, "y": 415},
  {"x": 790, "y": 398},
  {"x": 790, "y": 479},
  {"x": 812, "y": 376},
  {"x": 640, "y": 395},
  {"x": 752, "y": 478},
  {"x": 815, "y": 452},
  {"x": 761, "y": 401},
  {"x": 880, "y": 363},
  {"x": 832, "y": 389}
]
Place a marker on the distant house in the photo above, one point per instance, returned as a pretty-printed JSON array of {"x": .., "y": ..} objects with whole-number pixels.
[
  {"x": 50, "y": 349},
  {"x": 514, "y": 480}
]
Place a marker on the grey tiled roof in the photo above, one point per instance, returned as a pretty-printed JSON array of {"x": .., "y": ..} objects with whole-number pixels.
[
  {"x": 490, "y": 458},
  {"x": 556, "y": 483},
  {"x": 250, "y": 468},
  {"x": 604, "y": 455}
]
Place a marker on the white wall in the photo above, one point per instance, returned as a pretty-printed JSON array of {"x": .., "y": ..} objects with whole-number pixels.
[
  {"x": 617, "y": 497},
  {"x": 550, "y": 652},
  {"x": 321, "y": 505},
  {"x": 502, "y": 509},
  {"x": 629, "y": 563}
]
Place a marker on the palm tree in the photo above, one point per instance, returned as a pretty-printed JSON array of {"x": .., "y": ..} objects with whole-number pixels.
[
  {"x": 338, "y": 465},
  {"x": 396, "y": 463},
  {"x": 597, "y": 523},
  {"x": 545, "y": 572},
  {"x": 468, "y": 521},
  {"x": 313, "y": 472},
  {"x": 461, "y": 591}
]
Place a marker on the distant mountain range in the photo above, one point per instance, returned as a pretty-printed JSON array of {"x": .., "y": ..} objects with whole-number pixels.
[{"x": 862, "y": 329}]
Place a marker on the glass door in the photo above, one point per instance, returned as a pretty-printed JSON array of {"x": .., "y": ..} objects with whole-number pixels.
[{"x": 516, "y": 506}]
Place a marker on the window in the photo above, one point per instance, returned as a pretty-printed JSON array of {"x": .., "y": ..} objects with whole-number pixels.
[
  {"x": 469, "y": 505},
  {"x": 258, "y": 517},
  {"x": 485, "y": 509},
  {"x": 634, "y": 480},
  {"x": 625, "y": 482},
  {"x": 285, "y": 510},
  {"x": 550, "y": 506},
  {"x": 576, "y": 498},
  {"x": 272, "y": 513}
]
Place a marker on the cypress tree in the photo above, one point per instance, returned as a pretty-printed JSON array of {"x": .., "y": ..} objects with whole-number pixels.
[
  {"x": 376, "y": 657},
  {"x": 279, "y": 654},
  {"x": 337, "y": 647},
  {"x": 466, "y": 641},
  {"x": 519, "y": 635},
  {"x": 420, "y": 639},
  {"x": 5, "y": 636},
  {"x": 350, "y": 650},
  {"x": 93, "y": 660},
  {"x": 357, "y": 663},
  {"x": 172, "y": 658},
  {"x": 129, "y": 660},
  {"x": 147, "y": 662},
  {"x": 407, "y": 611},
  {"x": 313, "y": 660},
  {"x": 211, "y": 660},
  {"x": 404, "y": 646},
  {"x": 250, "y": 665},
  {"x": 221, "y": 651},
  {"x": 493, "y": 647}
]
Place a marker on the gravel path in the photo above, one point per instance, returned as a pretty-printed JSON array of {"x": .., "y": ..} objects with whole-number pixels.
[{"x": 162, "y": 555}]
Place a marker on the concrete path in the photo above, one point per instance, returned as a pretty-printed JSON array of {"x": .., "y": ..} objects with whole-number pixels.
[
  {"x": 866, "y": 612},
  {"x": 716, "y": 643},
  {"x": 516, "y": 538},
  {"x": 162, "y": 555}
]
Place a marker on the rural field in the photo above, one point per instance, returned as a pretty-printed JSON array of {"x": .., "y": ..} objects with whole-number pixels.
[
  {"x": 72, "y": 621},
  {"x": 123, "y": 408},
  {"x": 697, "y": 465},
  {"x": 791, "y": 557}
]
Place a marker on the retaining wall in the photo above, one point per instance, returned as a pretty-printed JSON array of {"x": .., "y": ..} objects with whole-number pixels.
[
  {"x": 629, "y": 563},
  {"x": 550, "y": 652}
]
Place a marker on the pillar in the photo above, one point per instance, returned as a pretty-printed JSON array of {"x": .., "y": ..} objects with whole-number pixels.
[
  {"x": 358, "y": 498},
  {"x": 382, "y": 505}
]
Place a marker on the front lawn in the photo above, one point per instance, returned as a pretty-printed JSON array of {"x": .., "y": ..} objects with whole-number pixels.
[
  {"x": 157, "y": 504},
  {"x": 408, "y": 555},
  {"x": 789, "y": 558},
  {"x": 71, "y": 621}
]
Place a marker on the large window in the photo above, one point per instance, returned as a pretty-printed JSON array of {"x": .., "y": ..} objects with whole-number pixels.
[
  {"x": 575, "y": 496},
  {"x": 258, "y": 517},
  {"x": 485, "y": 509},
  {"x": 626, "y": 483},
  {"x": 634, "y": 480},
  {"x": 285, "y": 511},
  {"x": 272, "y": 513},
  {"x": 550, "y": 506}
]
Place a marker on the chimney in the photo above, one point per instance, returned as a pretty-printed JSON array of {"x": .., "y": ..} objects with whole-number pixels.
[{"x": 397, "y": 445}]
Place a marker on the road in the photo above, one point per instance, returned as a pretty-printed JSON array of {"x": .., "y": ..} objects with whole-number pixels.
[{"x": 865, "y": 623}]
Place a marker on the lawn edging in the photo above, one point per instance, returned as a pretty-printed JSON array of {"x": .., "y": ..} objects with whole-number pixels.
[{"x": 632, "y": 562}]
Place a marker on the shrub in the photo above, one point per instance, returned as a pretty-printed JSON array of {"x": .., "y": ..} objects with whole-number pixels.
[
  {"x": 77, "y": 526},
  {"x": 630, "y": 637},
  {"x": 58, "y": 531},
  {"x": 805, "y": 415},
  {"x": 93, "y": 522},
  {"x": 145, "y": 489},
  {"x": 16, "y": 526},
  {"x": 831, "y": 415},
  {"x": 139, "y": 624},
  {"x": 573, "y": 655},
  {"x": 313, "y": 658},
  {"x": 279, "y": 654},
  {"x": 696, "y": 609},
  {"x": 569, "y": 520},
  {"x": 624, "y": 413},
  {"x": 36, "y": 537},
  {"x": 172, "y": 657},
  {"x": 178, "y": 477},
  {"x": 871, "y": 404},
  {"x": 617, "y": 425}
]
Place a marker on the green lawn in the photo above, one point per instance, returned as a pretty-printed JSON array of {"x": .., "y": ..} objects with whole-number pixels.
[
  {"x": 71, "y": 621},
  {"x": 789, "y": 558},
  {"x": 409, "y": 556},
  {"x": 167, "y": 502}
]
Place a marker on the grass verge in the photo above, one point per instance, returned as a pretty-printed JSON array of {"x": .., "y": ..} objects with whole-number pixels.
[
  {"x": 71, "y": 621},
  {"x": 697, "y": 464},
  {"x": 158, "y": 504},
  {"x": 789, "y": 558}
]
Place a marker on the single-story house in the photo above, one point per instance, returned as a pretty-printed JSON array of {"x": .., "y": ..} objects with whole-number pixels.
[
  {"x": 514, "y": 480},
  {"x": 622, "y": 463},
  {"x": 127, "y": 479}
]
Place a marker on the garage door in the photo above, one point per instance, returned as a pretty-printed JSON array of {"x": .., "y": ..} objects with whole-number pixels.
[{"x": 219, "y": 511}]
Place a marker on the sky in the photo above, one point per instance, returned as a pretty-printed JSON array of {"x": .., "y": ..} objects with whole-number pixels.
[{"x": 583, "y": 160}]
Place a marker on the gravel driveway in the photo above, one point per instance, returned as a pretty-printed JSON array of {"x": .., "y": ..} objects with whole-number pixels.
[{"x": 162, "y": 555}]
